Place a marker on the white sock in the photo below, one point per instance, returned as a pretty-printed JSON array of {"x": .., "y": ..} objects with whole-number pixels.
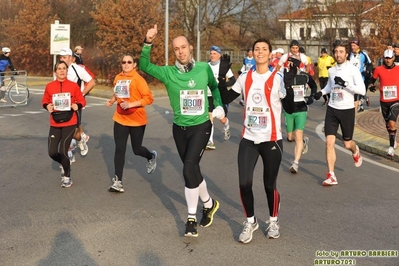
[
  {"x": 251, "y": 219},
  {"x": 192, "y": 200},
  {"x": 211, "y": 136},
  {"x": 226, "y": 125},
  {"x": 273, "y": 219},
  {"x": 204, "y": 195}
]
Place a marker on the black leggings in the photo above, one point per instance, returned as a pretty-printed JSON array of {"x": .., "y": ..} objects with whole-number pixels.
[
  {"x": 190, "y": 143},
  {"x": 248, "y": 154},
  {"x": 121, "y": 133},
  {"x": 59, "y": 140}
]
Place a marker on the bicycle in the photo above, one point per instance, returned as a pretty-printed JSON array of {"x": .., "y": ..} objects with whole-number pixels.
[{"x": 18, "y": 93}]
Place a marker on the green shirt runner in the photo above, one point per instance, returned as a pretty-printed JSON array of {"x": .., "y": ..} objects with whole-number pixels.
[{"x": 187, "y": 91}]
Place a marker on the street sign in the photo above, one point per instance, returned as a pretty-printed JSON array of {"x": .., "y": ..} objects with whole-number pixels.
[{"x": 59, "y": 37}]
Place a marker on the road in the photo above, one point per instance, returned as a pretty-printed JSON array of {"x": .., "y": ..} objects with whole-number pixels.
[{"x": 44, "y": 224}]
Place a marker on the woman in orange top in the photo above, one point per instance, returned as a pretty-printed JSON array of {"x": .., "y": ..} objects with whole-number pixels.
[{"x": 132, "y": 94}]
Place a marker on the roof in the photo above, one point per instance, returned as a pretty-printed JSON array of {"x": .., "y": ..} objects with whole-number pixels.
[{"x": 343, "y": 8}]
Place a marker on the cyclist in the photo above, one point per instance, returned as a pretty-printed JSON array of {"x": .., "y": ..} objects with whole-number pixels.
[{"x": 5, "y": 61}]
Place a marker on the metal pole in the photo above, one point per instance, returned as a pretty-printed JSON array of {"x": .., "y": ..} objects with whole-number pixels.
[
  {"x": 166, "y": 32},
  {"x": 198, "y": 33}
]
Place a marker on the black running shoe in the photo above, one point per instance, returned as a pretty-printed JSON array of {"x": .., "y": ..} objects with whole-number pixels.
[
  {"x": 191, "y": 228},
  {"x": 207, "y": 214}
]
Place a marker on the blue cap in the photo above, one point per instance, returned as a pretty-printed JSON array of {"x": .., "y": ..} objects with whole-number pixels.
[{"x": 215, "y": 48}]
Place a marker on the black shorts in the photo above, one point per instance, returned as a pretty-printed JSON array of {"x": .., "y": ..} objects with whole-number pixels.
[
  {"x": 390, "y": 110},
  {"x": 344, "y": 118}
]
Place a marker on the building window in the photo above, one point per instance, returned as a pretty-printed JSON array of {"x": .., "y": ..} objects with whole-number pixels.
[
  {"x": 343, "y": 33},
  {"x": 308, "y": 32},
  {"x": 302, "y": 33},
  {"x": 372, "y": 31}
]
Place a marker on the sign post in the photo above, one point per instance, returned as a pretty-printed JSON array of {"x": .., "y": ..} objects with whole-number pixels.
[{"x": 59, "y": 38}]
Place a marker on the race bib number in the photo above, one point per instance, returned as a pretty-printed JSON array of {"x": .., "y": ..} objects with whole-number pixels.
[
  {"x": 299, "y": 92},
  {"x": 257, "y": 118},
  {"x": 337, "y": 95},
  {"x": 62, "y": 101},
  {"x": 192, "y": 102},
  {"x": 121, "y": 89},
  {"x": 389, "y": 92}
]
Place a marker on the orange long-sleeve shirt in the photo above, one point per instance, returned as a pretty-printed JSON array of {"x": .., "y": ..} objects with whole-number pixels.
[{"x": 139, "y": 91}]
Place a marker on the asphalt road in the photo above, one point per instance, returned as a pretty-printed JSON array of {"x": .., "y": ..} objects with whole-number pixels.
[{"x": 44, "y": 224}]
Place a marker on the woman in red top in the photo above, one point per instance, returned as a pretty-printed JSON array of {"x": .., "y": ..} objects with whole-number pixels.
[
  {"x": 62, "y": 98},
  {"x": 131, "y": 92}
]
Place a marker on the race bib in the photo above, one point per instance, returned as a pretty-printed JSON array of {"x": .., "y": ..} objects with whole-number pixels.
[
  {"x": 192, "y": 102},
  {"x": 389, "y": 92},
  {"x": 337, "y": 95},
  {"x": 121, "y": 89},
  {"x": 62, "y": 101},
  {"x": 257, "y": 118},
  {"x": 299, "y": 92}
]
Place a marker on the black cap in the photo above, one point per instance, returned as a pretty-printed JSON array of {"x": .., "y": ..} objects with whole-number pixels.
[
  {"x": 294, "y": 43},
  {"x": 356, "y": 41},
  {"x": 323, "y": 50},
  {"x": 396, "y": 45}
]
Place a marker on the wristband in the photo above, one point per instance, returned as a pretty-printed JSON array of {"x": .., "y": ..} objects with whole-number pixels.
[{"x": 147, "y": 43}]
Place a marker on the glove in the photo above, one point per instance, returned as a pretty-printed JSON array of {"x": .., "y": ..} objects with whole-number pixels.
[
  {"x": 310, "y": 100},
  {"x": 372, "y": 88},
  {"x": 318, "y": 95},
  {"x": 340, "y": 81},
  {"x": 225, "y": 65},
  {"x": 289, "y": 76},
  {"x": 218, "y": 112}
]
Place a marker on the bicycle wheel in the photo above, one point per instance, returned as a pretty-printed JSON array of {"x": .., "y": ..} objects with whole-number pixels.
[{"x": 18, "y": 93}]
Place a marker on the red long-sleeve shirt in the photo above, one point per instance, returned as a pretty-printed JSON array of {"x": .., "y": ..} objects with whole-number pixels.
[{"x": 55, "y": 87}]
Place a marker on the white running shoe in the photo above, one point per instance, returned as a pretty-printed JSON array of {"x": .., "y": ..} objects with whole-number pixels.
[
  {"x": 84, "y": 149},
  {"x": 305, "y": 145},
  {"x": 116, "y": 186},
  {"x": 210, "y": 146},
  {"x": 391, "y": 152},
  {"x": 357, "y": 158},
  {"x": 226, "y": 134},
  {"x": 331, "y": 180},
  {"x": 294, "y": 168},
  {"x": 152, "y": 163}
]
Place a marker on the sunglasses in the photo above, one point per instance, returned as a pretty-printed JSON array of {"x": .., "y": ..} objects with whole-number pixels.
[{"x": 127, "y": 62}]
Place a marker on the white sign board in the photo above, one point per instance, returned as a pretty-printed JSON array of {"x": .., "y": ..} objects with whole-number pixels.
[{"x": 59, "y": 37}]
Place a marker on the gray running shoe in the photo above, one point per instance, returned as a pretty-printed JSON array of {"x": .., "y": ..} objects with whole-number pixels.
[
  {"x": 226, "y": 133},
  {"x": 116, "y": 186},
  {"x": 66, "y": 181},
  {"x": 273, "y": 230},
  {"x": 305, "y": 145},
  {"x": 152, "y": 163},
  {"x": 294, "y": 168},
  {"x": 246, "y": 234}
]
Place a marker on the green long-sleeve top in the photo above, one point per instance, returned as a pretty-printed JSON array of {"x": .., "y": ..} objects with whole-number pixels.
[{"x": 187, "y": 91}]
